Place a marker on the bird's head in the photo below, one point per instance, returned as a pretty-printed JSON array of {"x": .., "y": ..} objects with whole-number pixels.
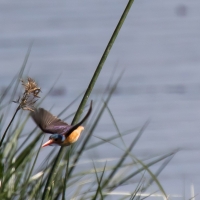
[{"x": 55, "y": 139}]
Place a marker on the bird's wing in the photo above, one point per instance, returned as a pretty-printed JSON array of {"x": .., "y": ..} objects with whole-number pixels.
[{"x": 49, "y": 123}]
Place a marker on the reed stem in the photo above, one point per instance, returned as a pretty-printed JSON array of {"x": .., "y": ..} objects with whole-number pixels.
[
  {"x": 18, "y": 108},
  {"x": 86, "y": 96}
]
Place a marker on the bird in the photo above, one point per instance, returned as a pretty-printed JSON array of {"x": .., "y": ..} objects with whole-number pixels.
[{"x": 63, "y": 134}]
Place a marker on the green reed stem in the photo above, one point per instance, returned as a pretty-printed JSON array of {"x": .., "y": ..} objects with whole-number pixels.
[
  {"x": 102, "y": 61},
  {"x": 86, "y": 96},
  {"x": 15, "y": 89},
  {"x": 18, "y": 108}
]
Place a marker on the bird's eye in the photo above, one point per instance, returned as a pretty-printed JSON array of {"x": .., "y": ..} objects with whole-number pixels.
[{"x": 56, "y": 139}]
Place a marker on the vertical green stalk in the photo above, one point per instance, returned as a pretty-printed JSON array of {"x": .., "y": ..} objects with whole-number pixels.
[
  {"x": 86, "y": 96},
  {"x": 18, "y": 108},
  {"x": 102, "y": 61},
  {"x": 15, "y": 89},
  {"x": 93, "y": 127},
  {"x": 66, "y": 172}
]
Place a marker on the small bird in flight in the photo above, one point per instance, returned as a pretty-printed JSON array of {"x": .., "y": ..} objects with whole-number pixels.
[{"x": 63, "y": 134}]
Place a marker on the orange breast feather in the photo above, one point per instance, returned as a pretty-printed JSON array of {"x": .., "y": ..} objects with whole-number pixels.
[{"x": 73, "y": 137}]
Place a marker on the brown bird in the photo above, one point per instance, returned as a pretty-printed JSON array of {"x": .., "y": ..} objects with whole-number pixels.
[{"x": 63, "y": 134}]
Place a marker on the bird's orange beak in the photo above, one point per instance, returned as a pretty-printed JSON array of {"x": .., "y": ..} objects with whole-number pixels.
[{"x": 49, "y": 142}]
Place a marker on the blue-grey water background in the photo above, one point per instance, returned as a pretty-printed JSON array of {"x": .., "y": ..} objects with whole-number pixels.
[{"x": 159, "y": 48}]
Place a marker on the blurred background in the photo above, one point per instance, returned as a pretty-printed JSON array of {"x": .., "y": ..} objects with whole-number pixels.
[{"x": 159, "y": 48}]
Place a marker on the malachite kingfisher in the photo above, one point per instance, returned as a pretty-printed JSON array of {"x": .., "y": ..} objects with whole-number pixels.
[{"x": 63, "y": 134}]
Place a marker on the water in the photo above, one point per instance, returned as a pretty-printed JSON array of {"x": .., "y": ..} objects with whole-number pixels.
[{"x": 159, "y": 47}]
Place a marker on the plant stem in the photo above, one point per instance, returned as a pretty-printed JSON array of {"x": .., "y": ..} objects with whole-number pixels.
[
  {"x": 86, "y": 96},
  {"x": 102, "y": 61},
  {"x": 18, "y": 108},
  {"x": 66, "y": 173}
]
